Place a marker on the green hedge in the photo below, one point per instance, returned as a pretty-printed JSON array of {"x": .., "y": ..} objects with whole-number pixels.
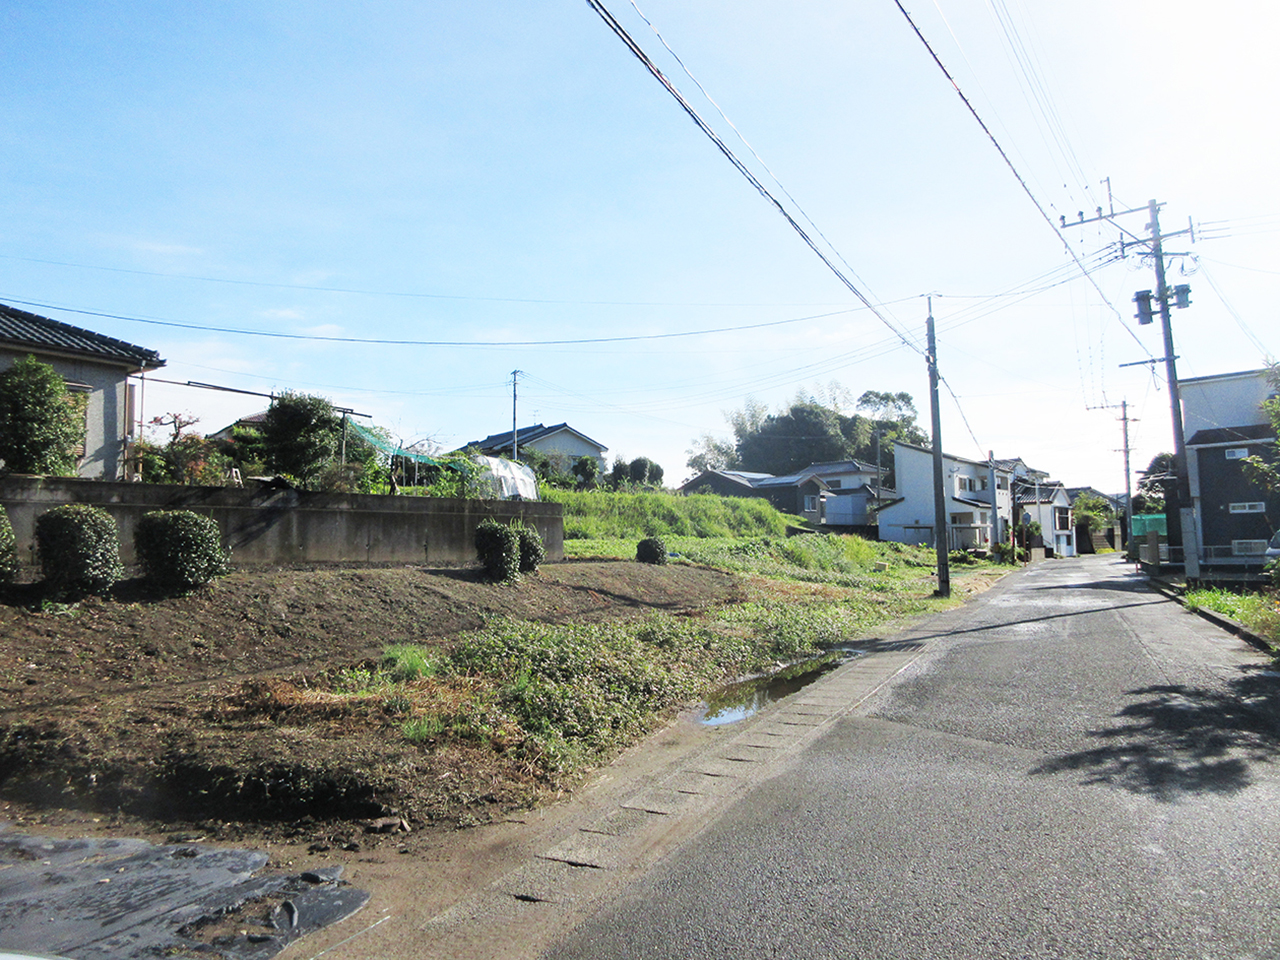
[
  {"x": 179, "y": 549},
  {"x": 652, "y": 550},
  {"x": 498, "y": 547},
  {"x": 79, "y": 549},
  {"x": 532, "y": 550}
]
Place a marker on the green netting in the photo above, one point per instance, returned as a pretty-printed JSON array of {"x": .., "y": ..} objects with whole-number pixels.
[
  {"x": 1142, "y": 522},
  {"x": 394, "y": 449}
]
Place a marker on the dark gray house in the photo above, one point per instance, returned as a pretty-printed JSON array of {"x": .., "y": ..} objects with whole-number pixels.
[{"x": 1233, "y": 519}]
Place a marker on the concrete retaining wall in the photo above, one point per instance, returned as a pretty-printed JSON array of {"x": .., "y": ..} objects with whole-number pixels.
[{"x": 272, "y": 526}]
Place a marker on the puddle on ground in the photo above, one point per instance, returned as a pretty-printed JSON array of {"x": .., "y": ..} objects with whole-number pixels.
[{"x": 737, "y": 701}]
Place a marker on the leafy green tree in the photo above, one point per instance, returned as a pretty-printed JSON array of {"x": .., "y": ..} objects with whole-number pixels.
[
  {"x": 813, "y": 429},
  {"x": 1264, "y": 471},
  {"x": 1151, "y": 481},
  {"x": 587, "y": 470},
  {"x": 712, "y": 453},
  {"x": 301, "y": 435},
  {"x": 188, "y": 457},
  {"x": 245, "y": 449},
  {"x": 620, "y": 474},
  {"x": 1093, "y": 511},
  {"x": 638, "y": 470},
  {"x": 41, "y": 422},
  {"x": 785, "y": 442}
]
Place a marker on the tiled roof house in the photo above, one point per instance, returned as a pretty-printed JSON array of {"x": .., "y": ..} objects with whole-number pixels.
[{"x": 91, "y": 363}]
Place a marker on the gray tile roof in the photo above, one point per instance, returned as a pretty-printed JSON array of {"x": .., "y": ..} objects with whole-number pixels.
[
  {"x": 497, "y": 441},
  {"x": 22, "y": 330}
]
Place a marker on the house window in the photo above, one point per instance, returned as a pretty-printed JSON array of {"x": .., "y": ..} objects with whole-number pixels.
[
  {"x": 984, "y": 483},
  {"x": 964, "y": 484},
  {"x": 1253, "y": 507},
  {"x": 1248, "y": 548},
  {"x": 833, "y": 484},
  {"x": 810, "y": 504},
  {"x": 1062, "y": 518},
  {"x": 78, "y": 394},
  {"x": 1237, "y": 453},
  {"x": 1002, "y": 483}
]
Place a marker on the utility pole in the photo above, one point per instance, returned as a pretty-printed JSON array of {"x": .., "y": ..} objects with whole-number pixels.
[
  {"x": 515, "y": 440},
  {"x": 1125, "y": 419},
  {"x": 1181, "y": 295},
  {"x": 995, "y": 504},
  {"x": 1128, "y": 489},
  {"x": 940, "y": 537}
]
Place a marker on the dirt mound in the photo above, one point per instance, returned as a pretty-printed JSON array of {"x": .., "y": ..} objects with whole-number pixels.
[{"x": 149, "y": 705}]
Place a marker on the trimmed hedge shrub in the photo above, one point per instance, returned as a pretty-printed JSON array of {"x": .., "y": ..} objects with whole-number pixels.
[
  {"x": 8, "y": 550},
  {"x": 179, "y": 549},
  {"x": 79, "y": 549},
  {"x": 498, "y": 547},
  {"x": 652, "y": 550},
  {"x": 532, "y": 551}
]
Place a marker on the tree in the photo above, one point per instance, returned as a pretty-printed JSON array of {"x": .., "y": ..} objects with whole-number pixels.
[
  {"x": 813, "y": 429},
  {"x": 1093, "y": 511},
  {"x": 41, "y": 422},
  {"x": 711, "y": 453},
  {"x": 785, "y": 442},
  {"x": 1264, "y": 471},
  {"x": 301, "y": 435},
  {"x": 620, "y": 474},
  {"x": 638, "y": 470},
  {"x": 188, "y": 457},
  {"x": 1151, "y": 483},
  {"x": 586, "y": 469}
]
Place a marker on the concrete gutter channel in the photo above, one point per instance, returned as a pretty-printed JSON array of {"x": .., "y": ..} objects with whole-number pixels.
[{"x": 581, "y": 863}]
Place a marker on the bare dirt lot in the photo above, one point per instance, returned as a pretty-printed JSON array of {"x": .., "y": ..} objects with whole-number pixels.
[{"x": 146, "y": 710}]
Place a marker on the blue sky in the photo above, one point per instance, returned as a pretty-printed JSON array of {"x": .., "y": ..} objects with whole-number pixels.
[{"x": 508, "y": 173}]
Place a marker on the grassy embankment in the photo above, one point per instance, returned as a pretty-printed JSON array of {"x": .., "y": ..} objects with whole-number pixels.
[
  {"x": 1260, "y": 612},
  {"x": 559, "y": 698}
]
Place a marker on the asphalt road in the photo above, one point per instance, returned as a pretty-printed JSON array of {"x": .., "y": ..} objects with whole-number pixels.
[{"x": 1073, "y": 766}]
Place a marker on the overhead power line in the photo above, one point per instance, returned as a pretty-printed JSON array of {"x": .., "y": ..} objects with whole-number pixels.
[
  {"x": 430, "y": 343},
  {"x": 1014, "y": 170},
  {"x": 410, "y": 294},
  {"x": 742, "y": 168}
]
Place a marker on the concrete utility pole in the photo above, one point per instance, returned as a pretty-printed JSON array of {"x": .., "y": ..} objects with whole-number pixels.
[
  {"x": 515, "y": 440},
  {"x": 940, "y": 537},
  {"x": 1128, "y": 488},
  {"x": 1182, "y": 298},
  {"x": 995, "y": 504}
]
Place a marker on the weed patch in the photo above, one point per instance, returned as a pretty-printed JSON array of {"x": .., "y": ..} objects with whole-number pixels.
[{"x": 1260, "y": 612}]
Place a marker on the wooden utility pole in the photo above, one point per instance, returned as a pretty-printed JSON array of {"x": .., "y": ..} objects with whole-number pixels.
[{"x": 940, "y": 537}]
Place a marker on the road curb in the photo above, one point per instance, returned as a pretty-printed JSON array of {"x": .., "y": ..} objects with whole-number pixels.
[{"x": 1217, "y": 619}]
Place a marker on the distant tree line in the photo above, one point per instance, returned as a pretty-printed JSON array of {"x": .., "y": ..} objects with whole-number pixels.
[{"x": 813, "y": 428}]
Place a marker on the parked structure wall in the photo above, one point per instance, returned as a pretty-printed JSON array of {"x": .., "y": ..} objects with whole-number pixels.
[{"x": 272, "y": 526}]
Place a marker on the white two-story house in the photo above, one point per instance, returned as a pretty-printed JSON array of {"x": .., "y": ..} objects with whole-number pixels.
[{"x": 970, "y": 500}]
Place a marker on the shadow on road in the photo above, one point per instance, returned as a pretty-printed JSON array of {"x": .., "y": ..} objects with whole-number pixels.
[
  {"x": 1173, "y": 740},
  {"x": 1128, "y": 585},
  {"x": 997, "y": 625}
]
